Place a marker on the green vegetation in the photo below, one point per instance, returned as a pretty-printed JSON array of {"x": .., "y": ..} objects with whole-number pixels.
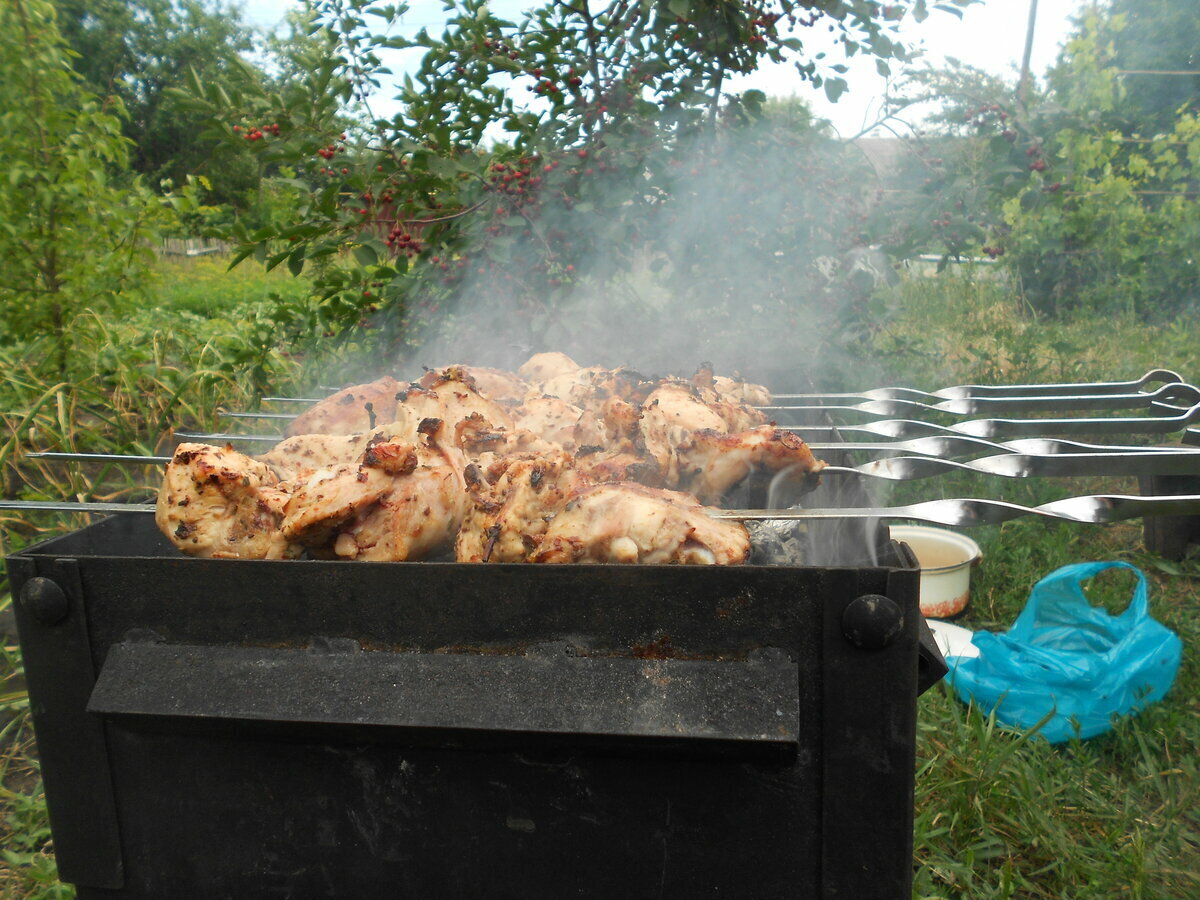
[
  {"x": 134, "y": 373},
  {"x": 997, "y": 814},
  {"x": 1000, "y": 815},
  {"x": 70, "y": 237},
  {"x": 1084, "y": 189}
]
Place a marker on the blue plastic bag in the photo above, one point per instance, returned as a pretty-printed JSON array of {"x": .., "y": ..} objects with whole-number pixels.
[{"x": 1065, "y": 656}]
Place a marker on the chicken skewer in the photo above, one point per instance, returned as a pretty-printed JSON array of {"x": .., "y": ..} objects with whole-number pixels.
[
  {"x": 554, "y": 463},
  {"x": 1098, "y": 509}
]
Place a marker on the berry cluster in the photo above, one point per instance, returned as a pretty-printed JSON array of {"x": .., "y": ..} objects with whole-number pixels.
[
  {"x": 986, "y": 114},
  {"x": 331, "y": 150},
  {"x": 256, "y": 133},
  {"x": 516, "y": 181},
  {"x": 401, "y": 240}
]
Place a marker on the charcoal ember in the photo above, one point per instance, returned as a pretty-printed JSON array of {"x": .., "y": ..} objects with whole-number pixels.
[{"x": 778, "y": 542}]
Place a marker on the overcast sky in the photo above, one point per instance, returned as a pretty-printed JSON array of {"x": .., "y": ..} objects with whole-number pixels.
[{"x": 990, "y": 35}]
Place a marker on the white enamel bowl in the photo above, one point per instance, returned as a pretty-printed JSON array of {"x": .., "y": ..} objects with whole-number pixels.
[{"x": 946, "y": 559}]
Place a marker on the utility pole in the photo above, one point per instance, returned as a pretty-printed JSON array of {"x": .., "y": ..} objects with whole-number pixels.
[{"x": 1023, "y": 84}]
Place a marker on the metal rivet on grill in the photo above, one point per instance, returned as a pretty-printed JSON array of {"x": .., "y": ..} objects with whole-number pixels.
[
  {"x": 45, "y": 601},
  {"x": 872, "y": 621}
]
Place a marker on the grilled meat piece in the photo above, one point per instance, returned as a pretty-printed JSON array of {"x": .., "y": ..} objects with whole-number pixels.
[
  {"x": 606, "y": 466},
  {"x": 453, "y": 396},
  {"x": 511, "y": 503},
  {"x": 321, "y": 503},
  {"x": 216, "y": 502},
  {"x": 557, "y": 421},
  {"x": 628, "y": 384},
  {"x": 670, "y": 415},
  {"x": 495, "y": 384},
  {"x": 484, "y": 444},
  {"x": 741, "y": 391},
  {"x": 350, "y": 411},
  {"x": 400, "y": 501},
  {"x": 296, "y": 458},
  {"x": 731, "y": 389},
  {"x": 543, "y": 366},
  {"x": 631, "y": 523},
  {"x": 576, "y": 387},
  {"x": 710, "y": 463}
]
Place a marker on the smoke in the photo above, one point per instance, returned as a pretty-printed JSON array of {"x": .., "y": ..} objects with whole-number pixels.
[
  {"x": 746, "y": 248},
  {"x": 742, "y": 248}
]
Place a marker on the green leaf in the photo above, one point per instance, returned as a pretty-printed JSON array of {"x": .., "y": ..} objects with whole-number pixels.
[
  {"x": 1164, "y": 565},
  {"x": 834, "y": 88},
  {"x": 240, "y": 255},
  {"x": 679, "y": 8},
  {"x": 365, "y": 255},
  {"x": 296, "y": 261}
]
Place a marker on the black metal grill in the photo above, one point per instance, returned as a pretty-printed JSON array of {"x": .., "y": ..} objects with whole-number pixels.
[
  {"x": 240, "y": 729},
  {"x": 246, "y": 728}
]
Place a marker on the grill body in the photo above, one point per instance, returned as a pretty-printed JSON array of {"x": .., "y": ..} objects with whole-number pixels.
[{"x": 333, "y": 729}]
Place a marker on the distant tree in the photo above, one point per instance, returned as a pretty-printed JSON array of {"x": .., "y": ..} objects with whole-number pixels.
[
  {"x": 71, "y": 235},
  {"x": 1087, "y": 196},
  {"x": 137, "y": 51},
  {"x": 1156, "y": 36}
]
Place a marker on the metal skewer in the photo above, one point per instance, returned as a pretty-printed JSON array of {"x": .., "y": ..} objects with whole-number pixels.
[
  {"x": 994, "y": 428},
  {"x": 945, "y": 446},
  {"x": 936, "y": 448},
  {"x": 1018, "y": 465},
  {"x": 90, "y": 506},
  {"x": 228, "y": 414},
  {"x": 1099, "y": 509},
  {"x": 903, "y": 428},
  {"x": 965, "y": 391},
  {"x": 124, "y": 459},
  {"x": 221, "y": 438},
  {"x": 977, "y": 405}
]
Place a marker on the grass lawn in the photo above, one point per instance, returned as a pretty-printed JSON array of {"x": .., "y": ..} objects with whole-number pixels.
[{"x": 998, "y": 814}]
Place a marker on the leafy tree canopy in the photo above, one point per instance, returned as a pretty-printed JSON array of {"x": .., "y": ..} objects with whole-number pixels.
[
  {"x": 136, "y": 50},
  {"x": 1156, "y": 36},
  {"x": 70, "y": 235},
  {"x": 581, "y": 152}
]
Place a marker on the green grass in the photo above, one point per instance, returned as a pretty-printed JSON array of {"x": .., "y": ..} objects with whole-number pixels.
[
  {"x": 135, "y": 372},
  {"x": 998, "y": 814}
]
